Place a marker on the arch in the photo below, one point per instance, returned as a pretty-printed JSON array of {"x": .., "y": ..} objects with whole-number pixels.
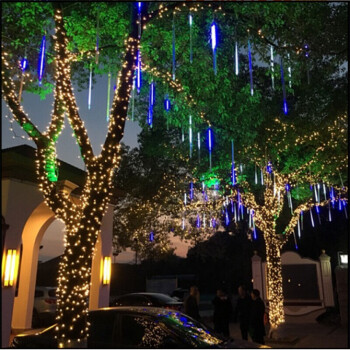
[
  {"x": 32, "y": 234},
  {"x": 28, "y": 218}
]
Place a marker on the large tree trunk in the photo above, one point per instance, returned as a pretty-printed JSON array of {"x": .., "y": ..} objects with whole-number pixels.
[
  {"x": 82, "y": 230},
  {"x": 274, "y": 280}
]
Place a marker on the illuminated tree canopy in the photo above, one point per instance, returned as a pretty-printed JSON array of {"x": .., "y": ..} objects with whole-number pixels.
[{"x": 308, "y": 145}]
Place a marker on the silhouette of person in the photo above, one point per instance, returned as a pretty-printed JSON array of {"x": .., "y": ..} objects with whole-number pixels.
[
  {"x": 242, "y": 310},
  {"x": 222, "y": 312},
  {"x": 256, "y": 321},
  {"x": 191, "y": 303}
]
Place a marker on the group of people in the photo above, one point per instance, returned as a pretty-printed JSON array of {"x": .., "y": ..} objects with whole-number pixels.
[{"x": 249, "y": 311}]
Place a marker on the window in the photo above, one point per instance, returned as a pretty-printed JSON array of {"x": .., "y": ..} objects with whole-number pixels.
[
  {"x": 101, "y": 329},
  {"x": 52, "y": 293},
  {"x": 132, "y": 332},
  {"x": 132, "y": 300},
  {"x": 39, "y": 293}
]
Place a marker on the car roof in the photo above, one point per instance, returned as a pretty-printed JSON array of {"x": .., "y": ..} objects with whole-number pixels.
[
  {"x": 147, "y": 293},
  {"x": 145, "y": 310}
]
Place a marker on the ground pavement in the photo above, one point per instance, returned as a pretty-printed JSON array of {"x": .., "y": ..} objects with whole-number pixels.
[{"x": 305, "y": 336}]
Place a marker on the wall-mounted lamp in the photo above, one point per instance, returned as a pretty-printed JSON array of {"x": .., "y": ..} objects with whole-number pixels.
[
  {"x": 106, "y": 272},
  {"x": 342, "y": 259},
  {"x": 11, "y": 262}
]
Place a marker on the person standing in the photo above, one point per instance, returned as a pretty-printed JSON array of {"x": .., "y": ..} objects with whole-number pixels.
[
  {"x": 191, "y": 303},
  {"x": 242, "y": 311},
  {"x": 222, "y": 312},
  {"x": 256, "y": 321}
]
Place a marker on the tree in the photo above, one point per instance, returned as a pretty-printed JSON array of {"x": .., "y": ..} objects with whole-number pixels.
[
  {"x": 214, "y": 104},
  {"x": 291, "y": 156}
]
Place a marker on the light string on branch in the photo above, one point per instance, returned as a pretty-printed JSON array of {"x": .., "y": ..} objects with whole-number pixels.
[
  {"x": 24, "y": 66},
  {"x": 133, "y": 100},
  {"x": 307, "y": 49},
  {"x": 108, "y": 96},
  {"x": 173, "y": 46},
  {"x": 97, "y": 52}
]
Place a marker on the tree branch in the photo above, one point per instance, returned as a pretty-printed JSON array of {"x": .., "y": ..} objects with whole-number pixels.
[{"x": 67, "y": 89}]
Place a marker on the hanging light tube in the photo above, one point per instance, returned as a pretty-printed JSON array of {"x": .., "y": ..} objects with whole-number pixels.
[
  {"x": 210, "y": 145},
  {"x": 285, "y": 106},
  {"x": 250, "y": 69},
  {"x": 295, "y": 240},
  {"x": 272, "y": 68},
  {"x": 324, "y": 191},
  {"x": 312, "y": 218},
  {"x": 190, "y": 20},
  {"x": 190, "y": 134},
  {"x": 233, "y": 174},
  {"x": 138, "y": 76},
  {"x": 90, "y": 87},
  {"x": 329, "y": 213},
  {"x": 302, "y": 220},
  {"x": 41, "y": 64},
  {"x": 236, "y": 58},
  {"x": 213, "y": 44},
  {"x": 289, "y": 71},
  {"x": 109, "y": 95},
  {"x": 174, "y": 63}
]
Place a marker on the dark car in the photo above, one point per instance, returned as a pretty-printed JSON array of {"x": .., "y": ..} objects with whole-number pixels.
[
  {"x": 180, "y": 293},
  {"x": 148, "y": 299},
  {"x": 44, "y": 306},
  {"x": 138, "y": 327}
]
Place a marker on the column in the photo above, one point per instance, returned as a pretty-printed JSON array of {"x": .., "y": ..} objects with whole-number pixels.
[
  {"x": 327, "y": 286},
  {"x": 257, "y": 274}
]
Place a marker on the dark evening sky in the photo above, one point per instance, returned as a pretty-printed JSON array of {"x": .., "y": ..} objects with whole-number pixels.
[
  {"x": 94, "y": 120},
  {"x": 68, "y": 151}
]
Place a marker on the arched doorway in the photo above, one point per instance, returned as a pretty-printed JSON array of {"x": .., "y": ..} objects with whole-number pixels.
[{"x": 28, "y": 218}]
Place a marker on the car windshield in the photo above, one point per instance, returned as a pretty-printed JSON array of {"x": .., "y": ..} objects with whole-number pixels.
[
  {"x": 52, "y": 293},
  {"x": 162, "y": 298},
  {"x": 190, "y": 329}
]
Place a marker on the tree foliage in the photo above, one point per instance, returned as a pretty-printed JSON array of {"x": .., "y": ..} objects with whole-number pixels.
[{"x": 261, "y": 132}]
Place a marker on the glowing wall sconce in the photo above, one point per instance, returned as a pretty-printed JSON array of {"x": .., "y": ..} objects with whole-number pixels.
[
  {"x": 342, "y": 259},
  {"x": 11, "y": 262},
  {"x": 106, "y": 272}
]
